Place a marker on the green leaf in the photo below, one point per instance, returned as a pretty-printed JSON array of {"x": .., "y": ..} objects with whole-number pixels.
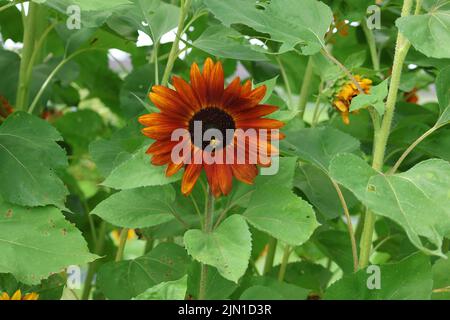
[
  {"x": 99, "y": 5},
  {"x": 216, "y": 288},
  {"x": 171, "y": 290},
  {"x": 278, "y": 211},
  {"x": 319, "y": 190},
  {"x": 270, "y": 85},
  {"x": 127, "y": 279},
  {"x": 409, "y": 279},
  {"x": 227, "y": 43},
  {"x": 319, "y": 145},
  {"x": 441, "y": 279},
  {"x": 80, "y": 128},
  {"x": 408, "y": 198},
  {"x": 37, "y": 242},
  {"x": 29, "y": 155},
  {"x": 138, "y": 172},
  {"x": 271, "y": 289},
  {"x": 108, "y": 154},
  {"x": 375, "y": 98},
  {"x": 429, "y": 32},
  {"x": 138, "y": 208},
  {"x": 135, "y": 89},
  {"x": 261, "y": 293},
  {"x": 336, "y": 245},
  {"x": 443, "y": 93},
  {"x": 227, "y": 248},
  {"x": 288, "y": 21}
]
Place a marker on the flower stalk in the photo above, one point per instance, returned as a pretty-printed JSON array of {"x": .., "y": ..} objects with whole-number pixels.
[
  {"x": 383, "y": 133},
  {"x": 209, "y": 212}
]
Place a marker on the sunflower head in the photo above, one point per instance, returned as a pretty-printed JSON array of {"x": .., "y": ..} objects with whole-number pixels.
[
  {"x": 221, "y": 131},
  {"x": 346, "y": 93},
  {"x": 18, "y": 296}
]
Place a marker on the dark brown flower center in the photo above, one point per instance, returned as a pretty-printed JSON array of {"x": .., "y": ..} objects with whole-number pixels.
[{"x": 211, "y": 118}]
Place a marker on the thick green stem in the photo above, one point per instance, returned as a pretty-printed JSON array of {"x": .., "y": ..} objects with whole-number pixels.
[
  {"x": 284, "y": 262},
  {"x": 207, "y": 228},
  {"x": 306, "y": 85},
  {"x": 185, "y": 5},
  {"x": 29, "y": 39},
  {"x": 382, "y": 136},
  {"x": 122, "y": 242},
  {"x": 270, "y": 255},
  {"x": 10, "y": 4}
]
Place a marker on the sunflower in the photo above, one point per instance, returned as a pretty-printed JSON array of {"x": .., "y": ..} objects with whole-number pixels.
[
  {"x": 5, "y": 108},
  {"x": 205, "y": 100},
  {"x": 347, "y": 92},
  {"x": 18, "y": 296}
]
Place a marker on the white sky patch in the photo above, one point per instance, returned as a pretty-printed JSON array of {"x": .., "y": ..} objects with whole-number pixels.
[
  {"x": 257, "y": 42},
  {"x": 119, "y": 61},
  {"x": 412, "y": 66},
  {"x": 143, "y": 39},
  {"x": 25, "y": 7},
  {"x": 354, "y": 24},
  {"x": 335, "y": 30},
  {"x": 12, "y": 46}
]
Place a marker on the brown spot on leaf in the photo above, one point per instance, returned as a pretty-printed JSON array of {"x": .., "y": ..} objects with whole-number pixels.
[{"x": 9, "y": 213}]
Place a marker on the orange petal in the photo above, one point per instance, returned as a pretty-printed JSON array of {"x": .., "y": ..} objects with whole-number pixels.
[
  {"x": 260, "y": 124},
  {"x": 190, "y": 177},
  {"x": 232, "y": 92},
  {"x": 245, "y": 172},
  {"x": 198, "y": 84},
  {"x": 216, "y": 84},
  {"x": 17, "y": 295},
  {"x": 208, "y": 68},
  {"x": 225, "y": 177},
  {"x": 186, "y": 93},
  {"x": 256, "y": 112},
  {"x": 173, "y": 168}
]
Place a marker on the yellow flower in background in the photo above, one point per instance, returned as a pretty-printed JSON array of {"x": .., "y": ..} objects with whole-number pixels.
[
  {"x": 116, "y": 235},
  {"x": 348, "y": 91},
  {"x": 18, "y": 296}
]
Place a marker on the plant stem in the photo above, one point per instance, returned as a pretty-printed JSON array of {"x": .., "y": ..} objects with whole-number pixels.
[
  {"x": 122, "y": 242},
  {"x": 317, "y": 107},
  {"x": 207, "y": 229},
  {"x": 285, "y": 80},
  {"x": 10, "y": 4},
  {"x": 349, "y": 225},
  {"x": 185, "y": 5},
  {"x": 347, "y": 72},
  {"x": 284, "y": 262},
  {"x": 93, "y": 265},
  {"x": 382, "y": 136},
  {"x": 410, "y": 148},
  {"x": 306, "y": 85},
  {"x": 270, "y": 255},
  {"x": 51, "y": 75},
  {"x": 372, "y": 46},
  {"x": 29, "y": 39}
]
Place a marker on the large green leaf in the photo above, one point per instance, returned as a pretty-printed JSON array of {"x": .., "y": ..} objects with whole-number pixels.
[
  {"x": 80, "y": 128},
  {"x": 417, "y": 199},
  {"x": 216, "y": 286},
  {"x": 227, "y": 248},
  {"x": 128, "y": 279},
  {"x": 170, "y": 290},
  {"x": 409, "y": 279},
  {"x": 443, "y": 93},
  {"x": 441, "y": 279},
  {"x": 37, "y": 242},
  {"x": 278, "y": 211},
  {"x": 29, "y": 156},
  {"x": 138, "y": 172},
  {"x": 319, "y": 145},
  {"x": 138, "y": 208},
  {"x": 227, "y": 43},
  {"x": 291, "y": 22},
  {"x": 374, "y": 99},
  {"x": 429, "y": 32},
  {"x": 108, "y": 154}
]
